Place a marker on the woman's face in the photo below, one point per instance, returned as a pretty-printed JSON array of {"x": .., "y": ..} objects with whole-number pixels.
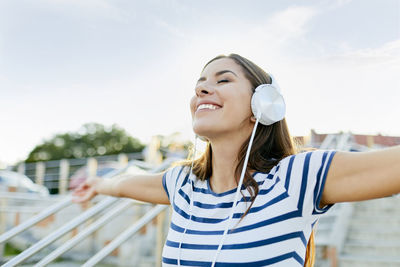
[{"x": 221, "y": 104}]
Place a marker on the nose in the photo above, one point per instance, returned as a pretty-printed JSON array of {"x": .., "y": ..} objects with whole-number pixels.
[{"x": 203, "y": 89}]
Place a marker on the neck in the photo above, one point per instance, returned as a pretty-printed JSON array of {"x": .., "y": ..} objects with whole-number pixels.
[{"x": 225, "y": 159}]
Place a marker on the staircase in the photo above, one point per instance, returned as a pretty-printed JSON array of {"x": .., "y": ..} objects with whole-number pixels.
[{"x": 373, "y": 238}]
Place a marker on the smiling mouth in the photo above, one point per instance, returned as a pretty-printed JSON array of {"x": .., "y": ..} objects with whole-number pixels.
[{"x": 207, "y": 107}]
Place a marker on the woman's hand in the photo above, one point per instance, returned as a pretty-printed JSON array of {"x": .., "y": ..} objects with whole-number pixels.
[{"x": 87, "y": 190}]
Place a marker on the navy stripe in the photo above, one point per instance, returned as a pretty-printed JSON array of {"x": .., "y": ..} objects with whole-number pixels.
[
  {"x": 289, "y": 172},
  {"x": 280, "y": 218},
  {"x": 322, "y": 182},
  {"x": 197, "y": 219},
  {"x": 210, "y": 206},
  {"x": 317, "y": 183},
  {"x": 177, "y": 178},
  {"x": 304, "y": 179},
  {"x": 266, "y": 191},
  {"x": 194, "y": 232},
  {"x": 268, "y": 241},
  {"x": 269, "y": 203},
  {"x": 225, "y": 204},
  {"x": 235, "y": 215},
  {"x": 265, "y": 262},
  {"x": 164, "y": 183},
  {"x": 312, "y": 225},
  {"x": 184, "y": 182},
  {"x": 209, "y": 191},
  {"x": 205, "y": 205}
]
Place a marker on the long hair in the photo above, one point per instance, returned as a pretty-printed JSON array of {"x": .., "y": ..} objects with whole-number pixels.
[{"x": 271, "y": 143}]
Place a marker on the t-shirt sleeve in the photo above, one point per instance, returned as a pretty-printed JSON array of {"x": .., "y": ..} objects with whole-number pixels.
[
  {"x": 318, "y": 163},
  {"x": 305, "y": 179},
  {"x": 170, "y": 179}
]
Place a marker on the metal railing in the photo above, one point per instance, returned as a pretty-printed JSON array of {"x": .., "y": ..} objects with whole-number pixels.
[
  {"x": 55, "y": 174},
  {"x": 124, "y": 236},
  {"x": 24, "y": 255},
  {"x": 85, "y": 233},
  {"x": 333, "y": 227},
  {"x": 34, "y": 220},
  {"x": 88, "y": 214}
]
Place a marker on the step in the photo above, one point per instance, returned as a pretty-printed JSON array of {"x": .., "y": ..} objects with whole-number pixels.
[
  {"x": 369, "y": 221},
  {"x": 374, "y": 248},
  {"x": 375, "y": 229},
  {"x": 376, "y": 212},
  {"x": 389, "y": 203},
  {"x": 322, "y": 263},
  {"x": 368, "y": 261},
  {"x": 373, "y": 235}
]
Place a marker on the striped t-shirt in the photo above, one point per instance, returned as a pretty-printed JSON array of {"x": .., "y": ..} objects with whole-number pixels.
[{"x": 275, "y": 231}]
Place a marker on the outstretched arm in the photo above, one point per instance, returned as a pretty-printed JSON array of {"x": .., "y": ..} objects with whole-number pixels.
[
  {"x": 147, "y": 187},
  {"x": 362, "y": 175}
]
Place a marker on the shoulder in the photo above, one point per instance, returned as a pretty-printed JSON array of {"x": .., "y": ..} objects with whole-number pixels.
[
  {"x": 310, "y": 156},
  {"x": 306, "y": 165}
]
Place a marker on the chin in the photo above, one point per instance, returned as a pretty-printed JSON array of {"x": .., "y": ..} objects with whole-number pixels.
[{"x": 202, "y": 131}]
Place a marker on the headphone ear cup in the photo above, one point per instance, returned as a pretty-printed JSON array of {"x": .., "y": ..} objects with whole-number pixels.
[{"x": 267, "y": 104}]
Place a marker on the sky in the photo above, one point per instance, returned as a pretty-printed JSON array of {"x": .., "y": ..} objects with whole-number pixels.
[{"x": 64, "y": 63}]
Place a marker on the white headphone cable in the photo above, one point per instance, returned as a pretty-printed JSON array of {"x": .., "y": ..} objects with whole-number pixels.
[
  {"x": 237, "y": 193},
  {"x": 191, "y": 202}
]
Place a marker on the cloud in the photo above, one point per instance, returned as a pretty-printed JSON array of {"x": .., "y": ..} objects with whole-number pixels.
[
  {"x": 286, "y": 25},
  {"x": 387, "y": 53},
  {"x": 89, "y": 9},
  {"x": 170, "y": 28},
  {"x": 355, "y": 90}
]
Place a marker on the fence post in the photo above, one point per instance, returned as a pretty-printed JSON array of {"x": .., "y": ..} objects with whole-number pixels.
[
  {"x": 92, "y": 167},
  {"x": 40, "y": 171},
  {"x": 160, "y": 237},
  {"x": 123, "y": 159},
  {"x": 63, "y": 180},
  {"x": 21, "y": 168},
  {"x": 3, "y": 223}
]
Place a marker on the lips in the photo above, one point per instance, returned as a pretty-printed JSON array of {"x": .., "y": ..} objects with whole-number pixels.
[{"x": 207, "y": 105}]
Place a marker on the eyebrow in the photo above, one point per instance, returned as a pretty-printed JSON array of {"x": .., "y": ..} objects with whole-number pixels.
[{"x": 217, "y": 74}]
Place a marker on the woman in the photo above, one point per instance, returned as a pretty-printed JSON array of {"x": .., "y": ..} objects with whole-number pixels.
[{"x": 283, "y": 193}]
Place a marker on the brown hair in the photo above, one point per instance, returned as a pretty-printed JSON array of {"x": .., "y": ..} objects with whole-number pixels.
[{"x": 271, "y": 143}]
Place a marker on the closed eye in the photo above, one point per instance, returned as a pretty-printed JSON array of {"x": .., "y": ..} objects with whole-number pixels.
[{"x": 223, "y": 81}]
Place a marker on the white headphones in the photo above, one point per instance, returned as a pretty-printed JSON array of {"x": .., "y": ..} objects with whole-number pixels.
[
  {"x": 267, "y": 103},
  {"x": 268, "y": 107}
]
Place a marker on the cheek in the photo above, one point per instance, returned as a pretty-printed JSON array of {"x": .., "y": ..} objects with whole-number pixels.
[
  {"x": 242, "y": 105},
  {"x": 192, "y": 105}
]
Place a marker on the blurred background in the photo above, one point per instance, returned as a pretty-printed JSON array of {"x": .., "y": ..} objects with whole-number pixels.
[
  {"x": 66, "y": 63},
  {"x": 98, "y": 86}
]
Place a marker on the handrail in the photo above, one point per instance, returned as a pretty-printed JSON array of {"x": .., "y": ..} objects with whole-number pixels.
[
  {"x": 75, "y": 222},
  {"x": 328, "y": 141},
  {"x": 124, "y": 236},
  {"x": 60, "y": 232},
  {"x": 18, "y": 209},
  {"x": 37, "y": 218},
  {"x": 49, "y": 211},
  {"x": 333, "y": 244},
  {"x": 29, "y": 196},
  {"x": 85, "y": 233}
]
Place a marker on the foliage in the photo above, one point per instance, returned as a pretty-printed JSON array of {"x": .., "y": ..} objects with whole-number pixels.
[
  {"x": 91, "y": 140},
  {"x": 10, "y": 250}
]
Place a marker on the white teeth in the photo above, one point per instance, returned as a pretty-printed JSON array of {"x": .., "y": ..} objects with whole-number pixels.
[{"x": 207, "y": 106}]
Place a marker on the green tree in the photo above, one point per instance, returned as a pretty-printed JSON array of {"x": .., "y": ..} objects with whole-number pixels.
[{"x": 92, "y": 139}]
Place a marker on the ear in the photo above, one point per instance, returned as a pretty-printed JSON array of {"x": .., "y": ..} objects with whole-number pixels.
[{"x": 253, "y": 119}]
